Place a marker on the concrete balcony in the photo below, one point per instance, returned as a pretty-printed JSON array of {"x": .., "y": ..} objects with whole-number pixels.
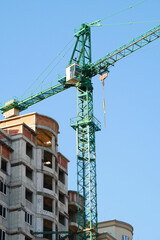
[{"x": 73, "y": 201}]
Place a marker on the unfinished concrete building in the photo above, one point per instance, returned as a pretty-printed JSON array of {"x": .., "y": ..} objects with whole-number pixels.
[
  {"x": 34, "y": 196},
  {"x": 107, "y": 230},
  {"x": 33, "y": 179}
]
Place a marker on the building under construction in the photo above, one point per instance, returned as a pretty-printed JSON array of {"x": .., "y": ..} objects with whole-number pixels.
[
  {"x": 34, "y": 196},
  {"x": 33, "y": 175},
  {"x": 34, "y": 199}
]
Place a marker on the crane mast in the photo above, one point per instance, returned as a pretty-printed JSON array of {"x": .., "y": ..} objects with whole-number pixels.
[{"x": 85, "y": 125}]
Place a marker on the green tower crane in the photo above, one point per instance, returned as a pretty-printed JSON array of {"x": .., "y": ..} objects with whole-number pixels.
[{"x": 79, "y": 73}]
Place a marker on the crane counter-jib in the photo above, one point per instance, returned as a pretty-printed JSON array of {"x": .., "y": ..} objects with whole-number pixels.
[{"x": 25, "y": 103}]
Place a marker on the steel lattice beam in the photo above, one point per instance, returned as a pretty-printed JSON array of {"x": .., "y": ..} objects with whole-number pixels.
[
  {"x": 102, "y": 64},
  {"x": 86, "y": 126},
  {"x": 24, "y": 104}
]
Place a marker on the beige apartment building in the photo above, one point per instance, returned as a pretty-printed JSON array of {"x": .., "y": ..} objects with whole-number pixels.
[
  {"x": 108, "y": 230},
  {"x": 115, "y": 230}
]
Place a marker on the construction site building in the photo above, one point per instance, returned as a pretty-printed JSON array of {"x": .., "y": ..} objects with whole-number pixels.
[
  {"x": 108, "y": 230},
  {"x": 34, "y": 196},
  {"x": 33, "y": 179}
]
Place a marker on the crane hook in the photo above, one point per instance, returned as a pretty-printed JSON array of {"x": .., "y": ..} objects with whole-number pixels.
[{"x": 102, "y": 77}]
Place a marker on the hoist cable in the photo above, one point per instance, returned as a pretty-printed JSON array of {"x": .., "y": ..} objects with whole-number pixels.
[
  {"x": 56, "y": 65},
  {"x": 46, "y": 68},
  {"x": 123, "y": 10},
  {"x": 104, "y": 107},
  {"x": 51, "y": 70},
  {"x": 129, "y": 23},
  {"x": 97, "y": 22}
]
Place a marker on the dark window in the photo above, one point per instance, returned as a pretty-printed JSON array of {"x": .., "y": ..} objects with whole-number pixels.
[
  {"x": 4, "y": 165},
  {"x": 29, "y": 172},
  {"x": 56, "y": 165},
  {"x": 47, "y": 159},
  {"x": 56, "y": 186},
  {"x": 61, "y": 197},
  {"x": 28, "y": 218},
  {"x": 27, "y": 238},
  {"x": 62, "y": 219},
  {"x": 61, "y": 176},
  {"x": 47, "y": 182},
  {"x": 29, "y": 150},
  {"x": 47, "y": 204},
  {"x": 125, "y": 238},
  {"x": 2, "y": 187},
  {"x": 29, "y": 195},
  {"x": 72, "y": 216},
  {"x": 31, "y": 219},
  {"x": 2, "y": 235},
  {"x": 2, "y": 211},
  {"x": 4, "y": 190},
  {"x": 47, "y": 227}
]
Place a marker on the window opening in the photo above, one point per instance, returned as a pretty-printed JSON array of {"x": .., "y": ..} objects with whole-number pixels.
[
  {"x": 4, "y": 165},
  {"x": 61, "y": 197},
  {"x": 47, "y": 204},
  {"x": 2, "y": 187},
  {"x": 62, "y": 219},
  {"x": 29, "y": 172},
  {"x": 56, "y": 165},
  {"x": 47, "y": 182},
  {"x": 47, "y": 227},
  {"x": 2, "y": 235},
  {"x": 56, "y": 187},
  {"x": 28, "y": 218},
  {"x": 72, "y": 216},
  {"x": 125, "y": 238},
  {"x": 29, "y": 150},
  {"x": 44, "y": 138},
  {"x": 27, "y": 238},
  {"x": 61, "y": 176},
  {"x": 29, "y": 195},
  {"x": 47, "y": 159},
  {"x": 3, "y": 211}
]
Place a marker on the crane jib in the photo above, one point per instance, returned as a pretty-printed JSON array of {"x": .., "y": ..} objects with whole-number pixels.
[{"x": 102, "y": 64}]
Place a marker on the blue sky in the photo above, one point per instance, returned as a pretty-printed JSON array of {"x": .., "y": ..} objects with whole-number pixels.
[{"x": 32, "y": 33}]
